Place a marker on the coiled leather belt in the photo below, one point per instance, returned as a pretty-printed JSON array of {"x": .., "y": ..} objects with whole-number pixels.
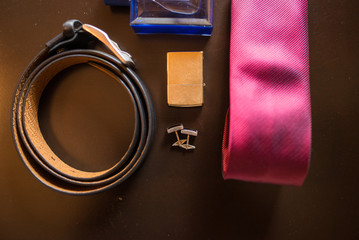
[{"x": 67, "y": 49}]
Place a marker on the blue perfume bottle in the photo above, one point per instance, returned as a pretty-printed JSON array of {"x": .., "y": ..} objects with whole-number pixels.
[{"x": 172, "y": 16}]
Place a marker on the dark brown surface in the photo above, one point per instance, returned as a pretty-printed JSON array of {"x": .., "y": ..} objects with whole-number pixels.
[{"x": 176, "y": 194}]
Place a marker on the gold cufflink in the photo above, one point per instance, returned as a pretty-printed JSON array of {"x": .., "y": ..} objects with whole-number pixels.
[
  {"x": 183, "y": 143},
  {"x": 175, "y": 129},
  {"x": 189, "y": 133}
]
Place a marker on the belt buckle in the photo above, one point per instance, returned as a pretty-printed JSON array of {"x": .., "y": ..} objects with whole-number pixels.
[
  {"x": 102, "y": 36},
  {"x": 73, "y": 37}
]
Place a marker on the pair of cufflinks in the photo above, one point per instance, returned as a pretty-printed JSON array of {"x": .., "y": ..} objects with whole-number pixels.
[{"x": 183, "y": 143}]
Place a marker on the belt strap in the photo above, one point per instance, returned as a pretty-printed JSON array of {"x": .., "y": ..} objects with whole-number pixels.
[{"x": 65, "y": 50}]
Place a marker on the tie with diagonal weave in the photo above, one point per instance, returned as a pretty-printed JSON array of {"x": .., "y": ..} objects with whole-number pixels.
[{"x": 268, "y": 129}]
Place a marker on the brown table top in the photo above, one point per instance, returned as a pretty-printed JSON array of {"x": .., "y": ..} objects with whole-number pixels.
[{"x": 176, "y": 194}]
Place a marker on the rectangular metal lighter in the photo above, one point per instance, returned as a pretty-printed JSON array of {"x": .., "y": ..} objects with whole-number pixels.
[{"x": 185, "y": 79}]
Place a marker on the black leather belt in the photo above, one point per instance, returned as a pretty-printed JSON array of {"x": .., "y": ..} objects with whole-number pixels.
[{"x": 67, "y": 49}]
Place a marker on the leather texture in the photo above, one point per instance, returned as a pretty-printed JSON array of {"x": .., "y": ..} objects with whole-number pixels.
[{"x": 38, "y": 156}]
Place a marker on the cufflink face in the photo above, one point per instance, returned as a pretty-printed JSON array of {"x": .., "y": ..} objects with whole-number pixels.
[{"x": 185, "y": 79}]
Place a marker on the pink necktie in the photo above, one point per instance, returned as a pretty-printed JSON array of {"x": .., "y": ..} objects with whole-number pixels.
[{"x": 268, "y": 128}]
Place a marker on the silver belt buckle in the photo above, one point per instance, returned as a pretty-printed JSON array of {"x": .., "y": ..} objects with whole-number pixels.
[{"x": 124, "y": 57}]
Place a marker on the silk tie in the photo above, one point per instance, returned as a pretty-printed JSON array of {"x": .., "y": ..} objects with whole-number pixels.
[{"x": 268, "y": 129}]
